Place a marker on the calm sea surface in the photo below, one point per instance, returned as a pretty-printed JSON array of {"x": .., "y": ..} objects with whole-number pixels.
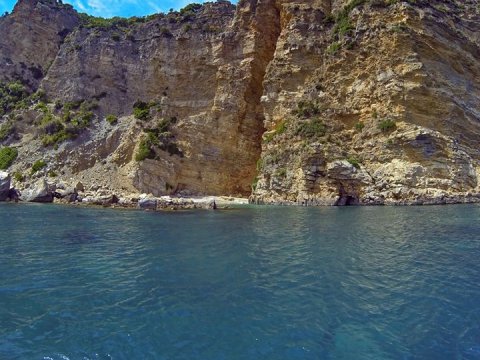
[{"x": 250, "y": 283}]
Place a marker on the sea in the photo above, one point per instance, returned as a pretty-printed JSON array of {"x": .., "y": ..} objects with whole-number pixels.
[{"x": 252, "y": 282}]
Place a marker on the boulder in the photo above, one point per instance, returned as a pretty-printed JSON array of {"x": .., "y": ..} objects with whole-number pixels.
[
  {"x": 80, "y": 187},
  {"x": 147, "y": 204},
  {"x": 70, "y": 194},
  {"x": 4, "y": 185},
  {"x": 42, "y": 192}
]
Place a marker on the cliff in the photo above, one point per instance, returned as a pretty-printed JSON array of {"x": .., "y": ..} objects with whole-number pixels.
[{"x": 304, "y": 102}]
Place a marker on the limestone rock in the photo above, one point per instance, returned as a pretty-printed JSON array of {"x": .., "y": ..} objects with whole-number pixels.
[
  {"x": 42, "y": 192},
  {"x": 4, "y": 185},
  {"x": 267, "y": 98},
  {"x": 147, "y": 203}
]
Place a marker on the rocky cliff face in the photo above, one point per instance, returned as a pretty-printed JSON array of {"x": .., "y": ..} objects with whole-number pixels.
[
  {"x": 31, "y": 38},
  {"x": 306, "y": 102}
]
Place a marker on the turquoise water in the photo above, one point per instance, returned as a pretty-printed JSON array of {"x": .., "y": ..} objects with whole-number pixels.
[{"x": 250, "y": 283}]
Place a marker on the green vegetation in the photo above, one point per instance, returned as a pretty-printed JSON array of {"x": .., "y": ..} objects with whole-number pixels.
[
  {"x": 387, "y": 125},
  {"x": 70, "y": 125},
  {"x": 280, "y": 128},
  {"x": 194, "y": 7},
  {"x": 359, "y": 126},
  {"x": 311, "y": 128},
  {"x": 6, "y": 130},
  {"x": 165, "y": 32},
  {"x": 141, "y": 110},
  {"x": 111, "y": 119},
  {"x": 12, "y": 95},
  {"x": 281, "y": 172},
  {"x": 333, "y": 48},
  {"x": 145, "y": 150},
  {"x": 342, "y": 27},
  {"x": 354, "y": 161},
  {"x": 37, "y": 166},
  {"x": 255, "y": 183},
  {"x": 52, "y": 174},
  {"x": 307, "y": 109},
  {"x": 160, "y": 137},
  {"x": 189, "y": 11},
  {"x": 18, "y": 176},
  {"x": 7, "y": 157},
  {"x": 93, "y": 22}
]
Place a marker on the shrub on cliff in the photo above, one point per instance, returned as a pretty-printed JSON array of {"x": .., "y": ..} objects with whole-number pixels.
[
  {"x": 307, "y": 109},
  {"x": 111, "y": 119},
  {"x": 6, "y": 130},
  {"x": 18, "y": 176},
  {"x": 387, "y": 125},
  {"x": 7, "y": 157},
  {"x": 12, "y": 94},
  {"x": 37, "y": 166},
  {"x": 354, "y": 162},
  {"x": 311, "y": 128},
  {"x": 144, "y": 150},
  {"x": 141, "y": 110},
  {"x": 194, "y": 7}
]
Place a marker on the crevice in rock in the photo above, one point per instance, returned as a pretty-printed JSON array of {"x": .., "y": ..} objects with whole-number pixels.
[{"x": 267, "y": 23}]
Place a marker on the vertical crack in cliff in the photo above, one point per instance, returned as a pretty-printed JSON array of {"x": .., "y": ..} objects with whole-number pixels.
[{"x": 267, "y": 26}]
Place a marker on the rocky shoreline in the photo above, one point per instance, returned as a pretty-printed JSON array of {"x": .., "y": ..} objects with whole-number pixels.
[
  {"x": 49, "y": 192},
  {"x": 44, "y": 191}
]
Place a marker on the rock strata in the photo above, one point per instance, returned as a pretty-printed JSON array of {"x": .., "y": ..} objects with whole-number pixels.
[{"x": 289, "y": 102}]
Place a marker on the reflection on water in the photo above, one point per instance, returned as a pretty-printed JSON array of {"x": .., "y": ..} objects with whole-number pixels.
[{"x": 253, "y": 283}]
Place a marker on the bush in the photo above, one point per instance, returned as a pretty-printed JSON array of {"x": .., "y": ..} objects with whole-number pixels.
[
  {"x": 82, "y": 119},
  {"x": 387, "y": 125},
  {"x": 164, "y": 124},
  {"x": 12, "y": 94},
  {"x": 354, "y": 161},
  {"x": 359, "y": 126},
  {"x": 144, "y": 150},
  {"x": 311, "y": 128},
  {"x": 53, "y": 127},
  {"x": 280, "y": 128},
  {"x": 7, "y": 157},
  {"x": 191, "y": 8},
  {"x": 165, "y": 32},
  {"x": 18, "y": 176},
  {"x": 6, "y": 130},
  {"x": 38, "y": 165},
  {"x": 141, "y": 110},
  {"x": 111, "y": 119},
  {"x": 56, "y": 138},
  {"x": 307, "y": 109},
  {"x": 333, "y": 48}
]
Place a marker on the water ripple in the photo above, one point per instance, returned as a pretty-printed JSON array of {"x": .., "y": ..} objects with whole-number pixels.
[{"x": 254, "y": 283}]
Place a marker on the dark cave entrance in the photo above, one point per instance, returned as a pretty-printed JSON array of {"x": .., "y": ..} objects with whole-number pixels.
[{"x": 347, "y": 198}]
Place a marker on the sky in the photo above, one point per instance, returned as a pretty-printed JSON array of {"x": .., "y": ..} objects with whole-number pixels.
[{"x": 110, "y": 8}]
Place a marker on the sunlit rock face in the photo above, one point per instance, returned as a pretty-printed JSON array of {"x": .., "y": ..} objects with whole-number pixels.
[{"x": 305, "y": 102}]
